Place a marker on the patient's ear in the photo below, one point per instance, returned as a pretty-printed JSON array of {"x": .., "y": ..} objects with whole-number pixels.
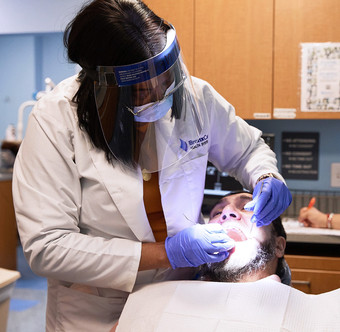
[{"x": 280, "y": 246}]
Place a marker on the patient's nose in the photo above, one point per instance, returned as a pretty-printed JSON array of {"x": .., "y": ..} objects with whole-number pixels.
[{"x": 229, "y": 214}]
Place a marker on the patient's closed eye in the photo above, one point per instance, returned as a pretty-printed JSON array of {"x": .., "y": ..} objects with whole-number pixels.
[{"x": 216, "y": 213}]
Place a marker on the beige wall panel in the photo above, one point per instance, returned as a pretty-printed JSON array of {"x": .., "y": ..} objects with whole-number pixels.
[
  {"x": 233, "y": 51},
  {"x": 298, "y": 21}
]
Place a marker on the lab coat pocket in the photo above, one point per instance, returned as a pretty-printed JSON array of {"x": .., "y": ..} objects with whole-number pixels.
[
  {"x": 79, "y": 311},
  {"x": 185, "y": 193},
  {"x": 191, "y": 165}
]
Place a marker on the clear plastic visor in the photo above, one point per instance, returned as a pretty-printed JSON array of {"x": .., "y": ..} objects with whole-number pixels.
[
  {"x": 149, "y": 124},
  {"x": 155, "y": 91}
]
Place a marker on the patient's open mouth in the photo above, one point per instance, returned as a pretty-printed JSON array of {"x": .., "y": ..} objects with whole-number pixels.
[{"x": 236, "y": 234}]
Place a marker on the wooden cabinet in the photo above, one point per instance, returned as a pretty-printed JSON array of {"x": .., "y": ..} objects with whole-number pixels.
[
  {"x": 229, "y": 44},
  {"x": 8, "y": 229},
  {"x": 249, "y": 50},
  {"x": 300, "y": 21},
  {"x": 180, "y": 13},
  {"x": 233, "y": 52},
  {"x": 314, "y": 274}
]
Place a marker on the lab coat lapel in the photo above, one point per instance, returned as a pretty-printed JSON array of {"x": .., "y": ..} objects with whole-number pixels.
[{"x": 126, "y": 189}]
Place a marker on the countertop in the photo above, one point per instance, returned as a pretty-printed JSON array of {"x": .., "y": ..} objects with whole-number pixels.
[
  {"x": 296, "y": 232},
  {"x": 5, "y": 174}
]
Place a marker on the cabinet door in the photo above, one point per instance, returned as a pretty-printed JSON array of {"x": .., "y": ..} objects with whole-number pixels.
[
  {"x": 298, "y": 21},
  {"x": 8, "y": 228},
  {"x": 315, "y": 281},
  {"x": 180, "y": 13},
  {"x": 233, "y": 52},
  {"x": 314, "y": 274}
]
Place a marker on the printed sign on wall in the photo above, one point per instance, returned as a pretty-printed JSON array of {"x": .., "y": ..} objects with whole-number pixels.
[
  {"x": 320, "y": 77},
  {"x": 300, "y": 155}
]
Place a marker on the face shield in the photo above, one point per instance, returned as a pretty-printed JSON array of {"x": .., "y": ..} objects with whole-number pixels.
[{"x": 148, "y": 110}]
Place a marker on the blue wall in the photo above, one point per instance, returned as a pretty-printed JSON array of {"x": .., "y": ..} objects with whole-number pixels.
[
  {"x": 25, "y": 61},
  {"x": 17, "y": 79},
  {"x": 329, "y": 148}
]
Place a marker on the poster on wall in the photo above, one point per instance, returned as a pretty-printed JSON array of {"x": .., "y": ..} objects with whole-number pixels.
[
  {"x": 300, "y": 155},
  {"x": 320, "y": 77}
]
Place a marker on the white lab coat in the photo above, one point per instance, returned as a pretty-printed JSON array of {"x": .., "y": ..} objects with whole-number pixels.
[{"x": 82, "y": 221}]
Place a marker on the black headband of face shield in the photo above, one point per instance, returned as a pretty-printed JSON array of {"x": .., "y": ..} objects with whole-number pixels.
[{"x": 110, "y": 78}]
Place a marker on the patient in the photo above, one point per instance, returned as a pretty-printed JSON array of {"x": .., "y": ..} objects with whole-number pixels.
[{"x": 258, "y": 252}]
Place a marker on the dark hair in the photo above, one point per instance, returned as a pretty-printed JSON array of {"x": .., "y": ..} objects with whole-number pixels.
[
  {"x": 282, "y": 266},
  {"x": 278, "y": 227},
  {"x": 110, "y": 33}
]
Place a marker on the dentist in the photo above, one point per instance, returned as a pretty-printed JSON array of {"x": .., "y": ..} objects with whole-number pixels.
[{"x": 108, "y": 182}]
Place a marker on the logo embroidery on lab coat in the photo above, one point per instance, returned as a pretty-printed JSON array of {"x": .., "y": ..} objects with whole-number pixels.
[{"x": 194, "y": 144}]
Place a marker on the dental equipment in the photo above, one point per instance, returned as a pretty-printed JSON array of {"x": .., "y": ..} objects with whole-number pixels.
[
  {"x": 49, "y": 85},
  {"x": 251, "y": 229},
  {"x": 20, "y": 125}
]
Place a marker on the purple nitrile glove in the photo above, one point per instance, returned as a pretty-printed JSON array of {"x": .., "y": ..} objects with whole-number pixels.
[
  {"x": 270, "y": 198},
  {"x": 197, "y": 245}
]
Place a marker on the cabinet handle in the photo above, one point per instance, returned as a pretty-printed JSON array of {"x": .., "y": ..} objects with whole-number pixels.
[{"x": 301, "y": 282}]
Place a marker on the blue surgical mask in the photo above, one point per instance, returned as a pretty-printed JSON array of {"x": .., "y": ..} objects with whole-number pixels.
[{"x": 156, "y": 110}]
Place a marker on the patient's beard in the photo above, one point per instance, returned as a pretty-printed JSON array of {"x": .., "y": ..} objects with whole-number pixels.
[{"x": 221, "y": 272}]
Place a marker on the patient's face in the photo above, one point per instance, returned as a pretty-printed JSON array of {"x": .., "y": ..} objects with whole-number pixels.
[
  {"x": 230, "y": 213},
  {"x": 254, "y": 246}
]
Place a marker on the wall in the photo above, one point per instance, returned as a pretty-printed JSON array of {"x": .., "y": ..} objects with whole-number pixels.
[
  {"x": 17, "y": 80},
  {"x": 32, "y": 49},
  {"x": 25, "y": 61},
  {"x": 36, "y": 16},
  {"x": 329, "y": 147}
]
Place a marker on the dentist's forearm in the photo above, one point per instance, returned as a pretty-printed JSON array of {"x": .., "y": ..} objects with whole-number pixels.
[{"x": 153, "y": 256}]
